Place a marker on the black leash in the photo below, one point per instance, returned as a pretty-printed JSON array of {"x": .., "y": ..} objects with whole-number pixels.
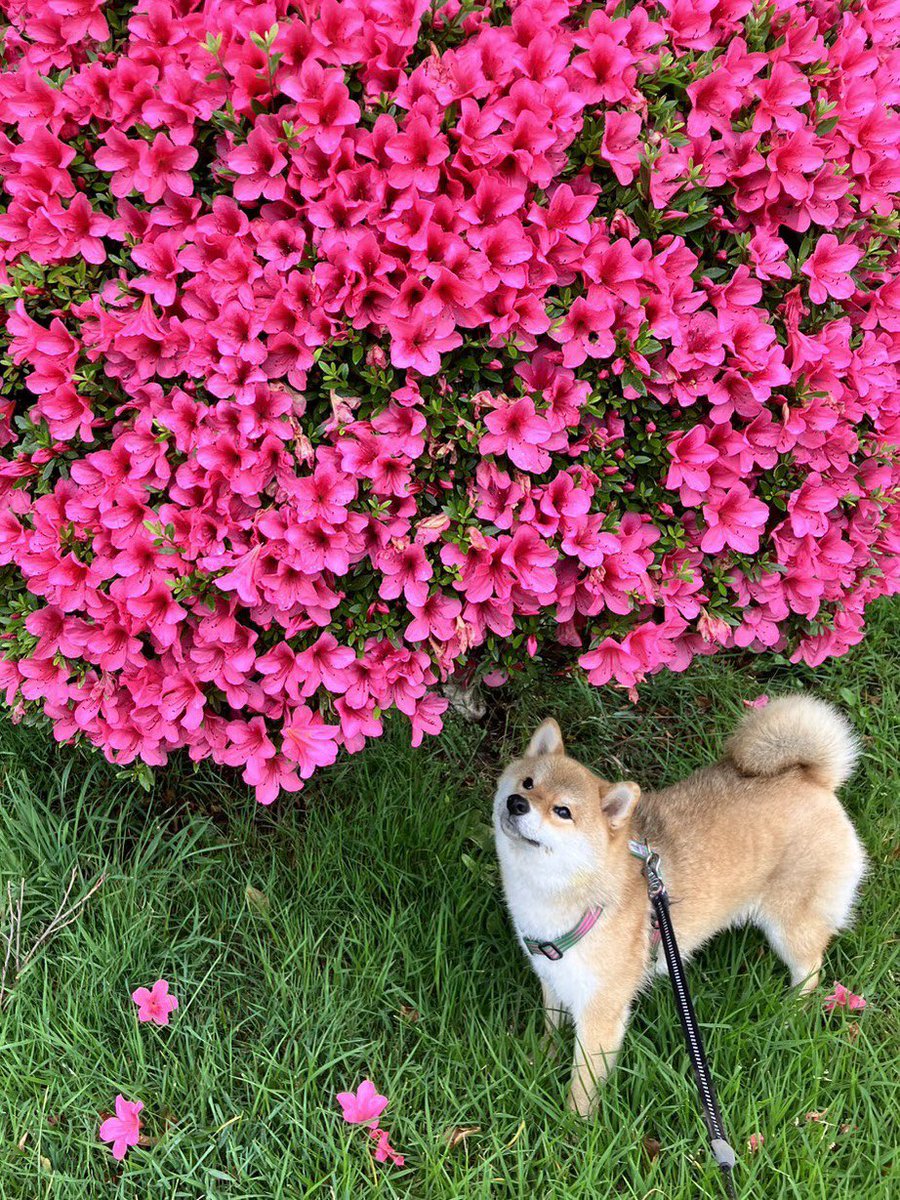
[{"x": 659, "y": 898}]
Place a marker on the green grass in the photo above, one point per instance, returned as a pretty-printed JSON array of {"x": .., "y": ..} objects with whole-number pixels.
[{"x": 382, "y": 950}]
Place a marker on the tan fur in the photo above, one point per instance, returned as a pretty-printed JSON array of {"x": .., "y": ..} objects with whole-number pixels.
[{"x": 759, "y": 836}]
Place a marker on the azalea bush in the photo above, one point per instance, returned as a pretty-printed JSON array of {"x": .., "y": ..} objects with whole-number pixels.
[{"x": 352, "y": 345}]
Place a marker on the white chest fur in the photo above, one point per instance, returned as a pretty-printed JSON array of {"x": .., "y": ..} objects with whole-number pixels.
[
  {"x": 547, "y": 913},
  {"x": 573, "y": 980}
]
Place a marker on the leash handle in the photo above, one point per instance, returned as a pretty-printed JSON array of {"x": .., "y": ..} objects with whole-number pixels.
[{"x": 712, "y": 1116}]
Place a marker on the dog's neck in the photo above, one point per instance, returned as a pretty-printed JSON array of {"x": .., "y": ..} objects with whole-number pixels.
[{"x": 545, "y": 898}]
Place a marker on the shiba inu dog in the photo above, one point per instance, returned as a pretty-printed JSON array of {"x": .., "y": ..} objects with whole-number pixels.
[{"x": 759, "y": 836}]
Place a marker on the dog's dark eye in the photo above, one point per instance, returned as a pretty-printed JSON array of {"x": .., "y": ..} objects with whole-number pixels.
[
  {"x": 528, "y": 784},
  {"x": 562, "y": 811}
]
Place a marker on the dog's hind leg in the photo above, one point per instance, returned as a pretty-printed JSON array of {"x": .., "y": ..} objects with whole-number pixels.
[
  {"x": 799, "y": 940},
  {"x": 806, "y": 906}
]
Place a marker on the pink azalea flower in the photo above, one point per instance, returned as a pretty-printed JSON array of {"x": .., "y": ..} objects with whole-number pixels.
[
  {"x": 692, "y": 456},
  {"x": 362, "y": 1107},
  {"x": 585, "y": 331},
  {"x": 124, "y": 1129},
  {"x": 384, "y": 1151},
  {"x": 734, "y": 518},
  {"x": 842, "y": 997},
  {"x": 809, "y": 507},
  {"x": 417, "y": 152},
  {"x": 155, "y": 1004},
  {"x": 769, "y": 255},
  {"x": 829, "y": 267},
  {"x": 427, "y": 717},
  {"x": 435, "y": 618},
  {"x": 610, "y": 660},
  {"x": 164, "y": 164},
  {"x": 758, "y": 702},
  {"x": 323, "y": 103},
  {"x": 258, "y": 163},
  {"x": 122, "y": 156},
  {"x": 781, "y": 99},
  {"x": 419, "y": 341},
  {"x": 621, "y": 146},
  {"x": 519, "y": 432},
  {"x": 406, "y": 571},
  {"x": 714, "y": 99},
  {"x": 308, "y": 741},
  {"x": 531, "y": 559}
]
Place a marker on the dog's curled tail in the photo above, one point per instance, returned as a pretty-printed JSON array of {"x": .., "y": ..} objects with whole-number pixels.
[{"x": 795, "y": 731}]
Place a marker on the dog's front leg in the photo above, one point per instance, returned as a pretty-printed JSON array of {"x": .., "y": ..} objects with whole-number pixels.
[{"x": 599, "y": 1030}]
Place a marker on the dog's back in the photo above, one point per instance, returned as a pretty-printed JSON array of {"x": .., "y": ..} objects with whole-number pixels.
[{"x": 761, "y": 835}]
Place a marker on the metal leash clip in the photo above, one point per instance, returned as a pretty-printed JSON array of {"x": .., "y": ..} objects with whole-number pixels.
[{"x": 655, "y": 885}]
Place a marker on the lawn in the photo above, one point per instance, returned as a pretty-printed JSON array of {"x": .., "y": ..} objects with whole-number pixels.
[{"x": 357, "y": 930}]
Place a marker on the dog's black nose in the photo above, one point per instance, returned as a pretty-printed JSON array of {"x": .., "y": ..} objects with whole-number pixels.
[{"x": 516, "y": 805}]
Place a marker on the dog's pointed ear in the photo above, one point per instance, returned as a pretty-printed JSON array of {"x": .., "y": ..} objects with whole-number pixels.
[
  {"x": 619, "y": 801},
  {"x": 546, "y": 739}
]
